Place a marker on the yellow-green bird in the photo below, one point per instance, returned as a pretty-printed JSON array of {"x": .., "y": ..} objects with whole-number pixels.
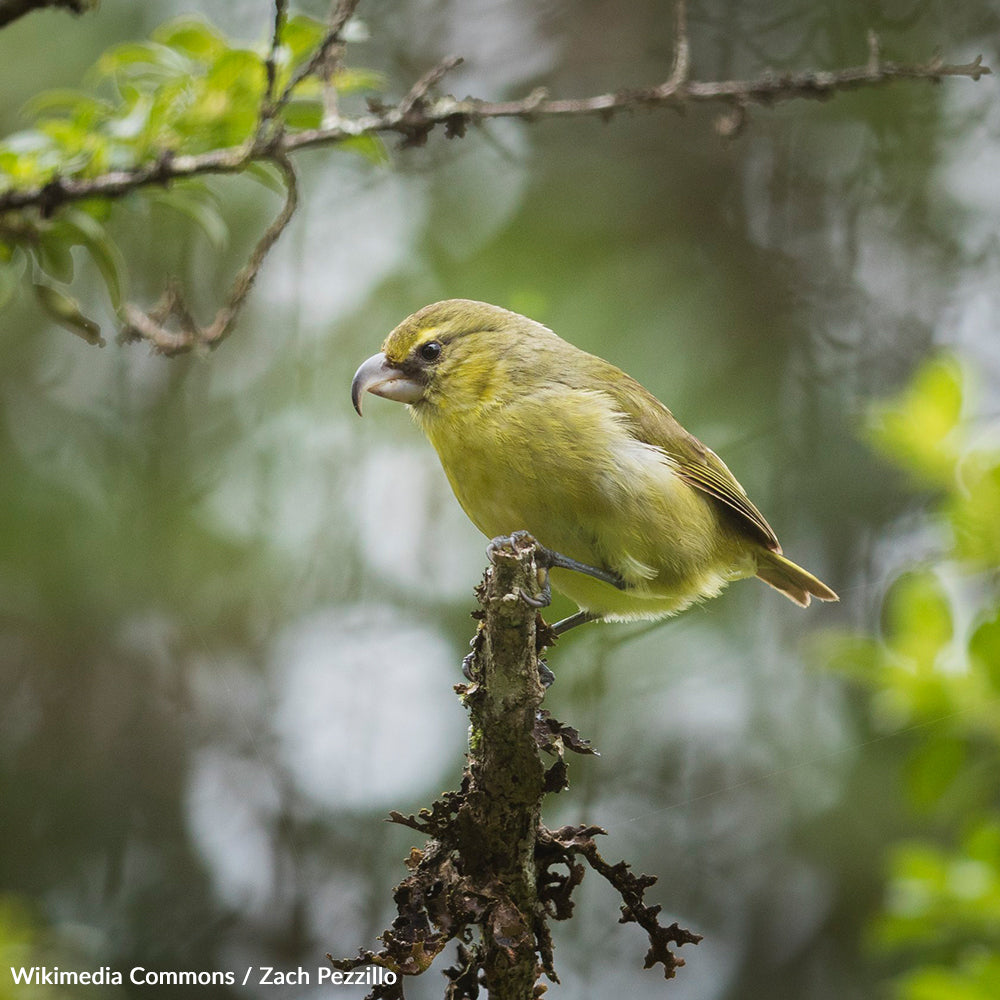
[{"x": 535, "y": 434}]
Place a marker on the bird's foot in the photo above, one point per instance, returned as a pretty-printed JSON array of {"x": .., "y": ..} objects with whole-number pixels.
[
  {"x": 545, "y": 675},
  {"x": 467, "y": 661},
  {"x": 516, "y": 540},
  {"x": 550, "y": 559},
  {"x": 547, "y": 559}
]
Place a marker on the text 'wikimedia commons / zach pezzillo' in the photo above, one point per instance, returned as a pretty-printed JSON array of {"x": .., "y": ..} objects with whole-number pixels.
[{"x": 257, "y": 975}]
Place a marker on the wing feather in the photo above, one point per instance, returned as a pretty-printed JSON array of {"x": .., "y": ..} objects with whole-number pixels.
[{"x": 696, "y": 464}]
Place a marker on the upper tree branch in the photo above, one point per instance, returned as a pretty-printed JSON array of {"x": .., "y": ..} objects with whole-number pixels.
[
  {"x": 11, "y": 10},
  {"x": 415, "y": 116}
]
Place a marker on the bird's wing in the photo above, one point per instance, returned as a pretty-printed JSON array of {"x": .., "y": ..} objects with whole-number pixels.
[{"x": 696, "y": 464}]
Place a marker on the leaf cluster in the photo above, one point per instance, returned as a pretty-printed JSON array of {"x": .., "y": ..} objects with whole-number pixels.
[
  {"x": 935, "y": 668},
  {"x": 188, "y": 90}
]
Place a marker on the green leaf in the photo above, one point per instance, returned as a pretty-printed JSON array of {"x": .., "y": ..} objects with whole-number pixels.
[
  {"x": 268, "y": 174},
  {"x": 66, "y": 102},
  {"x": 220, "y": 108},
  {"x": 133, "y": 117},
  {"x": 193, "y": 36},
  {"x": 974, "y": 976},
  {"x": 984, "y": 648},
  {"x": 237, "y": 70},
  {"x": 301, "y": 35},
  {"x": 199, "y": 210},
  {"x": 301, "y": 114},
  {"x": 353, "y": 81},
  {"x": 975, "y": 510},
  {"x": 917, "y": 618},
  {"x": 144, "y": 60},
  {"x": 54, "y": 256},
  {"x": 917, "y": 428},
  {"x": 371, "y": 147},
  {"x": 65, "y": 310},
  {"x": 108, "y": 258}
]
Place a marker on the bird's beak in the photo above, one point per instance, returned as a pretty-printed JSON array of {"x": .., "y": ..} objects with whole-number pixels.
[{"x": 380, "y": 377}]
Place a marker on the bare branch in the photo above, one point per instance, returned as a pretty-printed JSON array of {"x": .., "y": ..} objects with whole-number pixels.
[
  {"x": 11, "y": 10},
  {"x": 767, "y": 89},
  {"x": 420, "y": 89},
  {"x": 413, "y": 114}
]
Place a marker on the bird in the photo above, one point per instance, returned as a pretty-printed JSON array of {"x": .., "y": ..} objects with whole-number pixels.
[{"x": 637, "y": 518}]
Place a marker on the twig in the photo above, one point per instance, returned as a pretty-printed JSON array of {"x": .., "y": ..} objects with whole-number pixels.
[
  {"x": 339, "y": 17},
  {"x": 682, "y": 48},
  {"x": 270, "y": 66},
  {"x": 410, "y": 109},
  {"x": 419, "y": 90}
]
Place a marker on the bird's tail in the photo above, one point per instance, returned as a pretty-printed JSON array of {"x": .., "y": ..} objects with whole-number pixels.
[{"x": 793, "y": 581}]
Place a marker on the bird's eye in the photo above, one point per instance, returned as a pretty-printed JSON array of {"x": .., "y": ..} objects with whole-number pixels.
[{"x": 430, "y": 351}]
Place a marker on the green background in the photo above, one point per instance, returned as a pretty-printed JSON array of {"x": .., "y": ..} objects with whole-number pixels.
[{"x": 231, "y": 613}]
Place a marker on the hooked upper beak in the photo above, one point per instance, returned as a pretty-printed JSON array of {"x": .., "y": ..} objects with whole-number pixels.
[{"x": 381, "y": 378}]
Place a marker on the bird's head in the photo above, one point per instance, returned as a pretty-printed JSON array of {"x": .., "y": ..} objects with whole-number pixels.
[{"x": 452, "y": 354}]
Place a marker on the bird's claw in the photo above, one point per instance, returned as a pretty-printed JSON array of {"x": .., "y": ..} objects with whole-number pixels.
[
  {"x": 546, "y": 559},
  {"x": 512, "y": 540},
  {"x": 543, "y": 600},
  {"x": 580, "y": 618},
  {"x": 545, "y": 675},
  {"x": 467, "y": 662}
]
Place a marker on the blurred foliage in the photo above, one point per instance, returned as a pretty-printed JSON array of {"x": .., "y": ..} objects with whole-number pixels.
[
  {"x": 935, "y": 669},
  {"x": 208, "y": 565},
  {"x": 188, "y": 90},
  {"x": 21, "y": 947}
]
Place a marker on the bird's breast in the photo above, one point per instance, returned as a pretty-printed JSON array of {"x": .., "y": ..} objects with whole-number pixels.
[{"x": 566, "y": 467}]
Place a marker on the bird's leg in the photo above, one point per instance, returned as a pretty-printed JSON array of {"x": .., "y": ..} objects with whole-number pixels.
[
  {"x": 547, "y": 559},
  {"x": 580, "y": 618},
  {"x": 550, "y": 559}
]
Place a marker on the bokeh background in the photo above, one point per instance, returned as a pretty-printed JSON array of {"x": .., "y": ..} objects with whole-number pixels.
[{"x": 231, "y": 613}]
